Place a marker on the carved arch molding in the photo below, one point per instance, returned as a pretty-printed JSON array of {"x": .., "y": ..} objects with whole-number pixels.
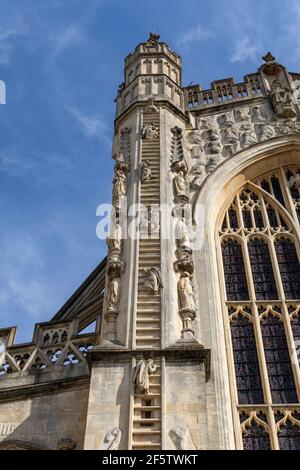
[{"x": 259, "y": 251}]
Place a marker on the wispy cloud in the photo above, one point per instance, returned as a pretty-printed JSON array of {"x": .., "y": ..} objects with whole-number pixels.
[
  {"x": 22, "y": 270},
  {"x": 93, "y": 127},
  {"x": 289, "y": 39},
  {"x": 12, "y": 27},
  {"x": 196, "y": 34},
  {"x": 244, "y": 49},
  {"x": 14, "y": 164}
]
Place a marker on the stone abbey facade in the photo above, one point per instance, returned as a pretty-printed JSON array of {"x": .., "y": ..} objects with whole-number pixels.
[{"x": 197, "y": 337}]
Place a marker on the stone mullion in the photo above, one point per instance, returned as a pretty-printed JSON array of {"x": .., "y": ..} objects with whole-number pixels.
[{"x": 272, "y": 423}]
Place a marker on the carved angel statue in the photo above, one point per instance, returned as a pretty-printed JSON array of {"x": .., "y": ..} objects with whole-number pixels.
[
  {"x": 112, "y": 440},
  {"x": 243, "y": 114},
  {"x": 267, "y": 131},
  {"x": 113, "y": 294},
  {"x": 152, "y": 280},
  {"x": 141, "y": 375},
  {"x": 181, "y": 437},
  {"x": 282, "y": 100},
  {"x": 248, "y": 135},
  {"x": 114, "y": 241},
  {"x": 149, "y": 131},
  {"x": 181, "y": 186},
  {"x": 119, "y": 185},
  {"x": 145, "y": 171},
  {"x": 182, "y": 235},
  {"x": 185, "y": 292}
]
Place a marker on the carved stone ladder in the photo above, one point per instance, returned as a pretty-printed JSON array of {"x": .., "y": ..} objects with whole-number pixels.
[{"x": 146, "y": 428}]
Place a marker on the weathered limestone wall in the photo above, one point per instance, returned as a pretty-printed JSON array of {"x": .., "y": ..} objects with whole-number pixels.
[
  {"x": 108, "y": 403},
  {"x": 185, "y": 406},
  {"x": 45, "y": 420}
]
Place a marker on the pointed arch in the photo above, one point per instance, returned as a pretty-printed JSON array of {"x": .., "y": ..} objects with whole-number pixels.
[{"x": 217, "y": 196}]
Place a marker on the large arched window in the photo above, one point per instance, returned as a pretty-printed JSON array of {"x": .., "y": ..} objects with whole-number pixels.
[{"x": 260, "y": 251}]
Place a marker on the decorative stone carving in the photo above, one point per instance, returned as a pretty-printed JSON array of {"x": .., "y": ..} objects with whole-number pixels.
[
  {"x": 181, "y": 187},
  {"x": 143, "y": 369},
  {"x": 176, "y": 145},
  {"x": 196, "y": 183},
  {"x": 242, "y": 115},
  {"x": 182, "y": 235},
  {"x": 153, "y": 40},
  {"x": 150, "y": 131},
  {"x": 125, "y": 144},
  {"x": 196, "y": 151},
  {"x": 257, "y": 115},
  {"x": 271, "y": 67},
  {"x": 212, "y": 163},
  {"x": 113, "y": 294},
  {"x": 232, "y": 140},
  {"x": 187, "y": 305},
  {"x": 114, "y": 241},
  {"x": 151, "y": 106},
  {"x": 248, "y": 135},
  {"x": 119, "y": 183},
  {"x": 214, "y": 140},
  {"x": 288, "y": 127},
  {"x": 66, "y": 444},
  {"x": 181, "y": 437},
  {"x": 185, "y": 291},
  {"x": 112, "y": 440},
  {"x": 267, "y": 131},
  {"x": 152, "y": 280},
  {"x": 145, "y": 171},
  {"x": 227, "y": 120},
  {"x": 282, "y": 100}
]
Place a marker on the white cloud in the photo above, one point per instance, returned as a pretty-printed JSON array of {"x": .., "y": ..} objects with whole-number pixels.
[
  {"x": 91, "y": 126},
  {"x": 22, "y": 273},
  {"x": 196, "y": 34},
  {"x": 12, "y": 27},
  {"x": 13, "y": 164},
  {"x": 244, "y": 49}
]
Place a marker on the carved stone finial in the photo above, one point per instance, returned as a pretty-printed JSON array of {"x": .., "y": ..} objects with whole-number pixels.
[
  {"x": 153, "y": 39},
  {"x": 269, "y": 58},
  {"x": 271, "y": 66}
]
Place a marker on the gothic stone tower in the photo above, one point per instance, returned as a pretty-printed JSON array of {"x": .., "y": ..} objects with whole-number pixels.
[
  {"x": 198, "y": 301},
  {"x": 142, "y": 319}
]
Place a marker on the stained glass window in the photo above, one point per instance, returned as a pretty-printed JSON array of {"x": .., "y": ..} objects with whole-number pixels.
[
  {"x": 265, "y": 336},
  {"x": 246, "y": 362},
  {"x": 234, "y": 270},
  {"x": 262, "y": 270},
  {"x": 278, "y": 361},
  {"x": 256, "y": 438},
  {"x": 289, "y": 267}
]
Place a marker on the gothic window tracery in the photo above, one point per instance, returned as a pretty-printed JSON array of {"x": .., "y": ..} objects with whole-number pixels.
[{"x": 259, "y": 239}]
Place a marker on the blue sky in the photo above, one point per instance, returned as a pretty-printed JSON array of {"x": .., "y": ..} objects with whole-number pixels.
[{"x": 62, "y": 61}]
